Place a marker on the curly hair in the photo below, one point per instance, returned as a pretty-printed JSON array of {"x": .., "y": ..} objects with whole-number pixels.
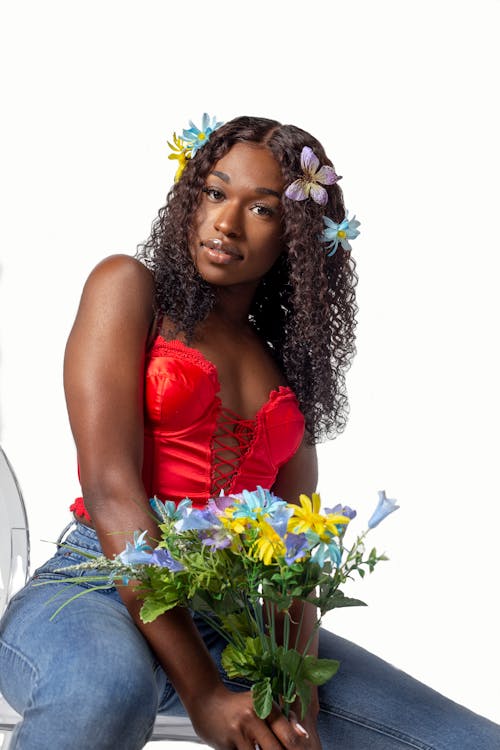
[{"x": 304, "y": 308}]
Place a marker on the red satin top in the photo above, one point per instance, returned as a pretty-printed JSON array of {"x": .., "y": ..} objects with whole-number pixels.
[{"x": 193, "y": 445}]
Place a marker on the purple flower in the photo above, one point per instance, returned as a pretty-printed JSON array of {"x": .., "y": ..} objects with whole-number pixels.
[
  {"x": 219, "y": 504},
  {"x": 342, "y": 510},
  {"x": 296, "y": 545},
  {"x": 198, "y": 520},
  {"x": 164, "y": 559},
  {"x": 384, "y": 507},
  {"x": 313, "y": 178},
  {"x": 216, "y": 539}
]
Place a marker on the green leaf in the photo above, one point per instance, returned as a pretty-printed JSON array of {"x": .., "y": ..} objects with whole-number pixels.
[
  {"x": 262, "y": 698},
  {"x": 319, "y": 671},
  {"x": 290, "y": 662},
  {"x": 340, "y": 600},
  {"x": 153, "y": 608}
]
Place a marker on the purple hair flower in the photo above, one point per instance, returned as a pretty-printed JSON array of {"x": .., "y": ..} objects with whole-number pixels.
[{"x": 313, "y": 179}]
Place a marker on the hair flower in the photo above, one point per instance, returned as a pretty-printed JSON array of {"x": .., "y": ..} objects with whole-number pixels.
[
  {"x": 335, "y": 234},
  {"x": 181, "y": 152},
  {"x": 313, "y": 180},
  {"x": 197, "y": 137}
]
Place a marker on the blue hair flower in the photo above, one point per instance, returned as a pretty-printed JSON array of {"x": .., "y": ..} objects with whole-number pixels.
[
  {"x": 195, "y": 137},
  {"x": 335, "y": 234}
]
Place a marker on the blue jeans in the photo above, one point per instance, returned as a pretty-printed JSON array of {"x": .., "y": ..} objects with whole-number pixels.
[{"x": 89, "y": 675}]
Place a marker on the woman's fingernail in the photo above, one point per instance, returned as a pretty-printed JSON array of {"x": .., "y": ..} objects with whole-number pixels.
[{"x": 300, "y": 729}]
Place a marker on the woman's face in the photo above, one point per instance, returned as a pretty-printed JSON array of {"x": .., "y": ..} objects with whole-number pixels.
[{"x": 237, "y": 229}]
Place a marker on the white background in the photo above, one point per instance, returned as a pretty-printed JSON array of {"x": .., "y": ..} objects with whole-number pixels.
[{"x": 403, "y": 97}]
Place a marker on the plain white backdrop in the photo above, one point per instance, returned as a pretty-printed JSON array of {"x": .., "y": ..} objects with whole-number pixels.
[{"x": 402, "y": 95}]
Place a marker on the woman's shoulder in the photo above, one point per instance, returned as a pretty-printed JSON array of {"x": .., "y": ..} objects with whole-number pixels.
[
  {"x": 118, "y": 291},
  {"x": 121, "y": 269},
  {"x": 121, "y": 279}
]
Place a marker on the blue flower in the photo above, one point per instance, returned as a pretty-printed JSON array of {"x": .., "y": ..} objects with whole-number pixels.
[
  {"x": 279, "y": 520},
  {"x": 326, "y": 551},
  {"x": 333, "y": 233},
  {"x": 137, "y": 553},
  {"x": 384, "y": 507},
  {"x": 169, "y": 511},
  {"x": 257, "y": 503},
  {"x": 164, "y": 559},
  {"x": 197, "y": 137},
  {"x": 296, "y": 545}
]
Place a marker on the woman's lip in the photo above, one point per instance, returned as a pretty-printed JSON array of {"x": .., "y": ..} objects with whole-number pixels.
[{"x": 222, "y": 248}]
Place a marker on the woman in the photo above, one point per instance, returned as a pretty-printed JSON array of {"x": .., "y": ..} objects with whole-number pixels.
[{"x": 242, "y": 319}]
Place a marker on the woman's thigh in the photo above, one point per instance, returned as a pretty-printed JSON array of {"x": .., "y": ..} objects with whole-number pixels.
[
  {"x": 371, "y": 705},
  {"x": 86, "y": 669}
]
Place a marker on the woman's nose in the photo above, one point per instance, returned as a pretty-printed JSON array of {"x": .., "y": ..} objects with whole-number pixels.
[{"x": 228, "y": 220}]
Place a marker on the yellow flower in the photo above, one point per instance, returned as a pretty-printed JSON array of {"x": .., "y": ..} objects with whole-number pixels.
[
  {"x": 269, "y": 544},
  {"x": 181, "y": 152},
  {"x": 307, "y": 517}
]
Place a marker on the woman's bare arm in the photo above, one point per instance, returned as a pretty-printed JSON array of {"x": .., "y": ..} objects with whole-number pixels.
[
  {"x": 300, "y": 476},
  {"x": 103, "y": 377}
]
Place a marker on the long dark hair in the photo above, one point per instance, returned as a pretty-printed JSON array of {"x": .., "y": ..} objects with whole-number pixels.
[{"x": 304, "y": 308}]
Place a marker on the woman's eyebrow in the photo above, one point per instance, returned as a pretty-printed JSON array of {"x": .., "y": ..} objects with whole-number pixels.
[{"x": 225, "y": 177}]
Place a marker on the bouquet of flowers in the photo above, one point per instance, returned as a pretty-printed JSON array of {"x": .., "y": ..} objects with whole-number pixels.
[{"x": 241, "y": 562}]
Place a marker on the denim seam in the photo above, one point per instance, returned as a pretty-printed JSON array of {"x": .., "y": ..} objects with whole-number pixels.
[
  {"x": 13, "y": 650},
  {"x": 381, "y": 729}
]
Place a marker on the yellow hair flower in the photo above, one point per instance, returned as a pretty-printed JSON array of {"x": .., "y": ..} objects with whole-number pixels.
[
  {"x": 181, "y": 152},
  {"x": 307, "y": 517}
]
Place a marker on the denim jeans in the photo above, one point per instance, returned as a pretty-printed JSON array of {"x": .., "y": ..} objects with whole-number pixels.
[{"x": 88, "y": 675}]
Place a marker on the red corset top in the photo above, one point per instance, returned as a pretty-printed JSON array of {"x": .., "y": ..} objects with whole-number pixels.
[{"x": 196, "y": 447}]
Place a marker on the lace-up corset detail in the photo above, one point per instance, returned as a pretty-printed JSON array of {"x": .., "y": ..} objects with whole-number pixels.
[{"x": 230, "y": 443}]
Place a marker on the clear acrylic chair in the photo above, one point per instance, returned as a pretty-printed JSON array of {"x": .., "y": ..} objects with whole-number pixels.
[{"x": 14, "y": 572}]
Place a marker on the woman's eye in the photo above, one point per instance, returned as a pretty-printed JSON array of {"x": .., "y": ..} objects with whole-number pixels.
[
  {"x": 263, "y": 210},
  {"x": 213, "y": 194}
]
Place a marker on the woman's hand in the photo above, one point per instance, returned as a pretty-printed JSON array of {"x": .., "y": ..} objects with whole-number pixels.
[{"x": 226, "y": 720}]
